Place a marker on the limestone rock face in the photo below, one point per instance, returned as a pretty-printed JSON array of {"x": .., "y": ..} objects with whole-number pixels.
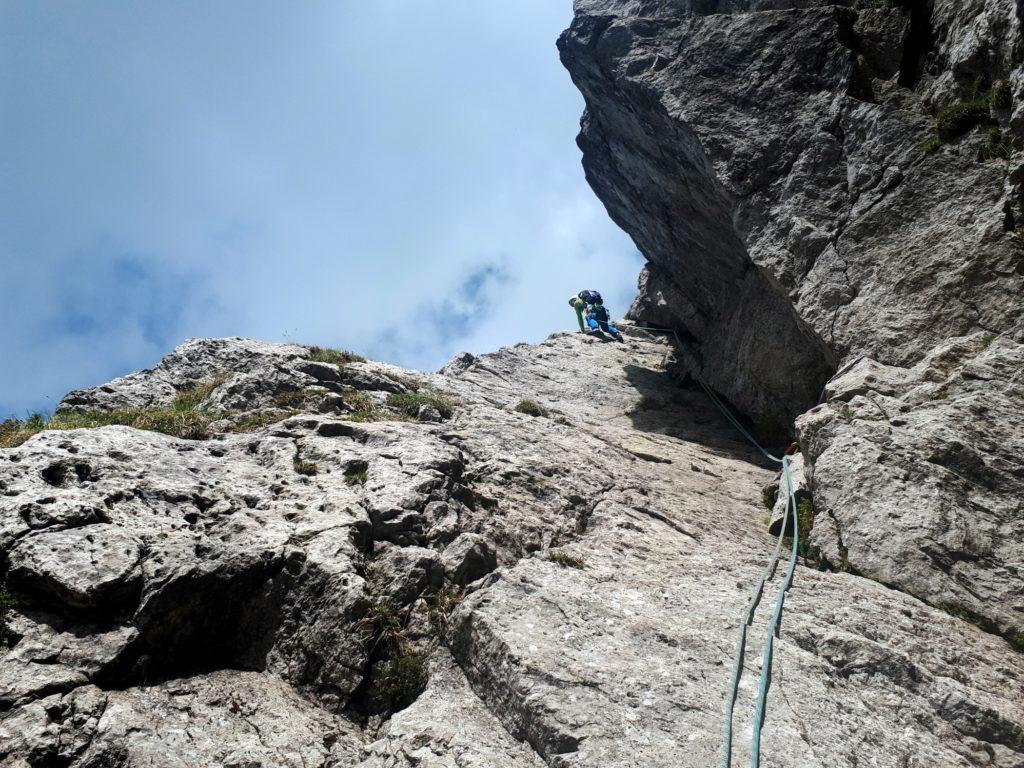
[
  {"x": 359, "y": 588},
  {"x": 780, "y": 155},
  {"x": 919, "y": 478},
  {"x": 867, "y": 157}
]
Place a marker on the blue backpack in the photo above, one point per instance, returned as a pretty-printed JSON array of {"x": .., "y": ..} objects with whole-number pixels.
[{"x": 591, "y": 297}]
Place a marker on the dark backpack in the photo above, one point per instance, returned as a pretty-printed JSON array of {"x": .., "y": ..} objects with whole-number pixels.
[{"x": 591, "y": 297}]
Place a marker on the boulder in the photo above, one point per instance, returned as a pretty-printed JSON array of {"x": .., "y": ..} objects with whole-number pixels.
[{"x": 87, "y": 567}]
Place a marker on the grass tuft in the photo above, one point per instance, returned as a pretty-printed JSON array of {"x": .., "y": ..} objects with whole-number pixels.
[
  {"x": 383, "y": 630},
  {"x": 409, "y": 403},
  {"x": 334, "y": 356},
  {"x": 296, "y": 398},
  {"x": 185, "y": 417},
  {"x": 355, "y": 476},
  {"x": 398, "y": 681},
  {"x": 954, "y": 120},
  {"x": 804, "y": 526},
  {"x": 256, "y": 421},
  {"x": 444, "y": 602},
  {"x": 7, "y": 604},
  {"x": 191, "y": 399},
  {"x": 1001, "y": 96},
  {"x": 304, "y": 467},
  {"x": 413, "y": 385},
  {"x": 566, "y": 560},
  {"x": 531, "y": 408}
]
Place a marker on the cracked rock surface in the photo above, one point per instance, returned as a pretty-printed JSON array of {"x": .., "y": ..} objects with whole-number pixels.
[
  {"x": 571, "y": 582},
  {"x": 819, "y": 143},
  {"x": 768, "y": 156}
]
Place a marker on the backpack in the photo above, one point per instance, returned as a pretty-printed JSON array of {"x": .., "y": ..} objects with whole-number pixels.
[{"x": 591, "y": 297}]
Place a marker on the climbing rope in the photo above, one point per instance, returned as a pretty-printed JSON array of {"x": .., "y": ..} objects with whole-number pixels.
[{"x": 747, "y": 617}]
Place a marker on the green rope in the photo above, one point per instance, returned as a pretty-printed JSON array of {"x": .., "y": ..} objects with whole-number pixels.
[
  {"x": 773, "y": 627},
  {"x": 755, "y": 597}
]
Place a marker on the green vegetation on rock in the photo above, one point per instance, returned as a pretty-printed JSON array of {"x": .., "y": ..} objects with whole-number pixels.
[
  {"x": 334, "y": 356},
  {"x": 566, "y": 560},
  {"x": 7, "y": 603},
  {"x": 409, "y": 403},
  {"x": 531, "y": 408},
  {"x": 184, "y": 417},
  {"x": 954, "y": 120}
]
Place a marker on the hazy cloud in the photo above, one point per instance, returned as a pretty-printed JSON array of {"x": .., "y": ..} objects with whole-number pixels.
[{"x": 397, "y": 178}]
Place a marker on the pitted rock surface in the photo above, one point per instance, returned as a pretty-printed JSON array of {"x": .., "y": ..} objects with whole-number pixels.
[{"x": 573, "y": 582}]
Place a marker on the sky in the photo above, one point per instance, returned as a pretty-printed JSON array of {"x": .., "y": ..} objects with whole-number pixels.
[{"x": 396, "y": 177}]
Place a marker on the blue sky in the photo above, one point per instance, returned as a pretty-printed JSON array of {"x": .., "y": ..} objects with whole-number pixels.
[{"x": 395, "y": 177}]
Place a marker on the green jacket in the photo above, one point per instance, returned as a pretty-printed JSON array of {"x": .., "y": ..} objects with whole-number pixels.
[{"x": 579, "y": 305}]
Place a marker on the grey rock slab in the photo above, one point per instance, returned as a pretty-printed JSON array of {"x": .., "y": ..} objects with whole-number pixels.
[
  {"x": 447, "y": 727},
  {"x": 405, "y": 572},
  {"x": 224, "y": 718},
  {"x": 84, "y": 567},
  {"x": 468, "y": 558}
]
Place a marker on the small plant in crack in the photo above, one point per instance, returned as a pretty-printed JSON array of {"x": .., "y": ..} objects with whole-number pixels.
[
  {"x": 1001, "y": 97},
  {"x": 531, "y": 408},
  {"x": 356, "y": 473},
  {"x": 383, "y": 630},
  {"x": 954, "y": 120},
  {"x": 846, "y": 414},
  {"x": 805, "y": 523},
  {"x": 769, "y": 495},
  {"x": 413, "y": 385},
  {"x": 410, "y": 403},
  {"x": 398, "y": 673},
  {"x": 296, "y": 398},
  {"x": 356, "y": 477},
  {"x": 443, "y": 603},
  {"x": 398, "y": 681},
  {"x": 566, "y": 560},
  {"x": 304, "y": 467},
  {"x": 7, "y": 604}
]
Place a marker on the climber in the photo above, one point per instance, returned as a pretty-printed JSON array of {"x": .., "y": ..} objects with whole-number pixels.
[
  {"x": 582, "y": 302},
  {"x": 599, "y": 320}
]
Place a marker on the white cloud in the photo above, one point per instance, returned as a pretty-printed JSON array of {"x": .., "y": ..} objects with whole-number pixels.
[{"x": 331, "y": 172}]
